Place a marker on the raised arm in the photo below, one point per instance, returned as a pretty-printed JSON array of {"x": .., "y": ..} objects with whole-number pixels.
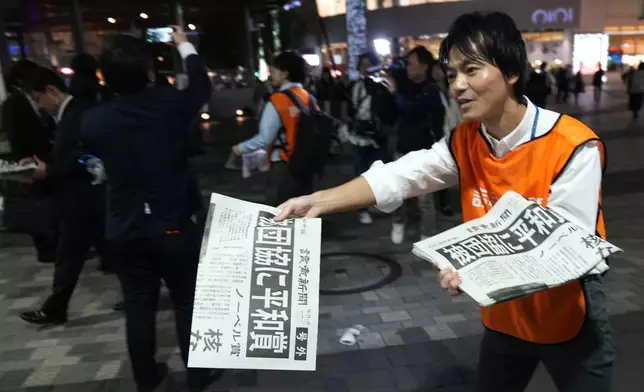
[
  {"x": 199, "y": 89},
  {"x": 386, "y": 186}
]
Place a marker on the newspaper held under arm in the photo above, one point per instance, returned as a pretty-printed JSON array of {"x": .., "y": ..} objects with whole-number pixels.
[
  {"x": 254, "y": 161},
  {"x": 516, "y": 249},
  {"x": 14, "y": 171},
  {"x": 257, "y": 294}
]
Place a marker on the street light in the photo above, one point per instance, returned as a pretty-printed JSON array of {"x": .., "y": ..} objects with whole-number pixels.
[
  {"x": 192, "y": 27},
  {"x": 143, "y": 15},
  {"x": 111, "y": 20}
]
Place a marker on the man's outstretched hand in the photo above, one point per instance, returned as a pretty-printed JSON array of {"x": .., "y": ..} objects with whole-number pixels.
[{"x": 299, "y": 207}]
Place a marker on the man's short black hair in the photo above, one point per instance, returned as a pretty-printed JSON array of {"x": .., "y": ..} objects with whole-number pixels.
[
  {"x": 424, "y": 56},
  {"x": 84, "y": 63},
  {"x": 125, "y": 65},
  {"x": 20, "y": 71},
  {"x": 373, "y": 58},
  {"x": 491, "y": 37},
  {"x": 43, "y": 77},
  {"x": 291, "y": 62}
]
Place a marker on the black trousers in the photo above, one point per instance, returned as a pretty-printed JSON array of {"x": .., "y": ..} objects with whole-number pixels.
[
  {"x": 583, "y": 364},
  {"x": 45, "y": 245},
  {"x": 76, "y": 235},
  {"x": 282, "y": 185},
  {"x": 141, "y": 265}
]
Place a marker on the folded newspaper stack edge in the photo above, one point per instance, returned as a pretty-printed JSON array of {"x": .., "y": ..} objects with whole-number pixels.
[
  {"x": 516, "y": 249},
  {"x": 15, "y": 171}
]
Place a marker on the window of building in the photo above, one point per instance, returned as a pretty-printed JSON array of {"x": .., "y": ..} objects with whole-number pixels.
[{"x": 328, "y": 8}]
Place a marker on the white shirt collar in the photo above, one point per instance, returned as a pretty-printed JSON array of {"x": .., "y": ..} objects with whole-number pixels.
[
  {"x": 62, "y": 108},
  {"x": 519, "y": 135},
  {"x": 33, "y": 103}
]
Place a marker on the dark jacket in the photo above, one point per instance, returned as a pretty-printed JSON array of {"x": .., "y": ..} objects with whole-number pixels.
[
  {"x": 73, "y": 191},
  {"x": 144, "y": 142},
  {"x": 382, "y": 103},
  {"x": 422, "y": 114},
  {"x": 29, "y": 132}
]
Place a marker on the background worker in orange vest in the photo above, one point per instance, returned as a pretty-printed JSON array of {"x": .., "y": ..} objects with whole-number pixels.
[
  {"x": 505, "y": 143},
  {"x": 278, "y": 127}
]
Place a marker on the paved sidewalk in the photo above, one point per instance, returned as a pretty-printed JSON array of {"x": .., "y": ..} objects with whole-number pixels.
[{"x": 418, "y": 338}]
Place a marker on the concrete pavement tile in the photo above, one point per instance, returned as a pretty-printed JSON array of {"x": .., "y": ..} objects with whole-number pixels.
[
  {"x": 371, "y": 340},
  {"x": 397, "y": 356},
  {"x": 370, "y": 296},
  {"x": 467, "y": 328},
  {"x": 376, "y": 309},
  {"x": 391, "y": 338},
  {"x": 450, "y": 318},
  {"x": 392, "y": 326},
  {"x": 377, "y": 359},
  {"x": 82, "y": 372},
  {"x": 50, "y": 352},
  {"x": 425, "y": 313},
  {"x": 16, "y": 355},
  {"x": 440, "y": 332},
  {"x": 14, "y": 378},
  {"x": 109, "y": 370},
  {"x": 45, "y": 375},
  {"x": 336, "y": 384},
  {"x": 413, "y": 335},
  {"x": 404, "y": 379},
  {"x": 399, "y": 315},
  {"x": 61, "y": 361},
  {"x": 42, "y": 343},
  {"x": 24, "y": 303},
  {"x": 20, "y": 365},
  {"x": 86, "y": 348},
  {"x": 417, "y": 323}
]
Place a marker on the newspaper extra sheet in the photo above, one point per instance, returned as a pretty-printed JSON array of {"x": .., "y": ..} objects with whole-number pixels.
[
  {"x": 256, "y": 298},
  {"x": 516, "y": 249}
]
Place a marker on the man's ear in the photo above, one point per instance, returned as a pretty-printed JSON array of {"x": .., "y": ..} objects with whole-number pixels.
[{"x": 512, "y": 79}]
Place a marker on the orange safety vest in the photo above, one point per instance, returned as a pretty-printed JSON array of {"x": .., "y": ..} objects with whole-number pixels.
[
  {"x": 290, "y": 115},
  {"x": 551, "y": 316}
]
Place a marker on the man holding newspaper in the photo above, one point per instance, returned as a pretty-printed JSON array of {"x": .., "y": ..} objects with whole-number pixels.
[{"x": 507, "y": 146}]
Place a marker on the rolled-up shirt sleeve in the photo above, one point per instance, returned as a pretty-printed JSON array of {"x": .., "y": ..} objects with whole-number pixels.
[
  {"x": 269, "y": 127},
  {"x": 417, "y": 173}
]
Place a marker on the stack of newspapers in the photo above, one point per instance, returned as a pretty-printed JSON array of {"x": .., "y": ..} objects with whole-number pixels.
[
  {"x": 10, "y": 170},
  {"x": 516, "y": 249}
]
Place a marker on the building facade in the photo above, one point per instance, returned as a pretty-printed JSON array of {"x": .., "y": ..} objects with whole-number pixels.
[{"x": 584, "y": 33}]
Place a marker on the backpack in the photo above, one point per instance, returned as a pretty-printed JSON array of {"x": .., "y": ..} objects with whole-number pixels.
[{"x": 314, "y": 134}]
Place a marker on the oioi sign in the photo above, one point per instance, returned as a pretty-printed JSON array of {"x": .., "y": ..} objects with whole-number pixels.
[{"x": 553, "y": 16}]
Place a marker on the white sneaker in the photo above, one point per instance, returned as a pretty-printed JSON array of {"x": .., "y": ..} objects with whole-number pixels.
[
  {"x": 398, "y": 233},
  {"x": 365, "y": 218}
]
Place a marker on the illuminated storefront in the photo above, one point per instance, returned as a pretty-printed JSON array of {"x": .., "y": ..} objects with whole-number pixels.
[
  {"x": 547, "y": 25},
  {"x": 591, "y": 52},
  {"x": 626, "y": 45}
]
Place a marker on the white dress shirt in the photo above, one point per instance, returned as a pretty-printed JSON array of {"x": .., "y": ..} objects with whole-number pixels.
[
  {"x": 575, "y": 194},
  {"x": 63, "y": 106}
]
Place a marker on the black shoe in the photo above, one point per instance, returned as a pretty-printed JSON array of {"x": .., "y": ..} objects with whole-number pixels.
[
  {"x": 162, "y": 374},
  {"x": 119, "y": 306},
  {"x": 47, "y": 259},
  {"x": 39, "y": 317},
  {"x": 199, "y": 382}
]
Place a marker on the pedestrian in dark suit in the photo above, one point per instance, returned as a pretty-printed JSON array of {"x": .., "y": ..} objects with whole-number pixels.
[
  {"x": 143, "y": 139},
  {"x": 79, "y": 202},
  {"x": 30, "y": 131}
]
